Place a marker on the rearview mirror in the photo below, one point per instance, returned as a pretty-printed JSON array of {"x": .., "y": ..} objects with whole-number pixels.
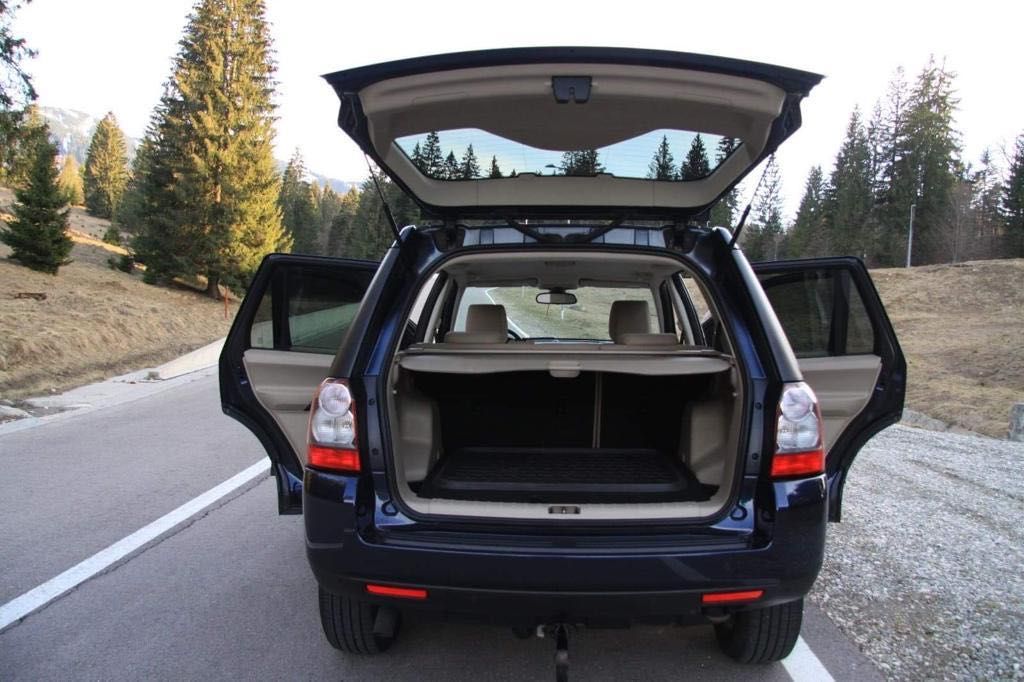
[{"x": 556, "y": 298}]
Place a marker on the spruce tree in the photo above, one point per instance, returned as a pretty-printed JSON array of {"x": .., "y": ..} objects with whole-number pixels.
[
  {"x": 328, "y": 204},
  {"x": 106, "y": 168},
  {"x": 696, "y": 165},
  {"x": 20, "y": 157},
  {"x": 1013, "y": 201},
  {"x": 37, "y": 235},
  {"x": 417, "y": 157},
  {"x": 215, "y": 138},
  {"x": 723, "y": 213},
  {"x": 806, "y": 237},
  {"x": 935, "y": 146},
  {"x": 16, "y": 89},
  {"x": 469, "y": 166},
  {"x": 663, "y": 164},
  {"x": 340, "y": 235},
  {"x": 895, "y": 181},
  {"x": 495, "y": 169},
  {"x": 764, "y": 240},
  {"x": 70, "y": 181},
  {"x": 850, "y": 197},
  {"x": 431, "y": 157},
  {"x": 988, "y": 221},
  {"x": 452, "y": 169},
  {"x": 581, "y": 162},
  {"x": 299, "y": 213}
]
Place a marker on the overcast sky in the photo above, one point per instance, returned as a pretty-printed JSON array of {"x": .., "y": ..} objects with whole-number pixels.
[{"x": 113, "y": 55}]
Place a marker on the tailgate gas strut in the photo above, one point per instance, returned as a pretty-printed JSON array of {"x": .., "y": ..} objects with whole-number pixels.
[
  {"x": 746, "y": 211},
  {"x": 384, "y": 202}
]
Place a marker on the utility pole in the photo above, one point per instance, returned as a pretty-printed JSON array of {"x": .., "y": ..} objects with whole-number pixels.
[{"x": 910, "y": 234}]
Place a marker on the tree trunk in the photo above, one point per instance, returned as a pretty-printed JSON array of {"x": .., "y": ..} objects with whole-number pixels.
[{"x": 213, "y": 286}]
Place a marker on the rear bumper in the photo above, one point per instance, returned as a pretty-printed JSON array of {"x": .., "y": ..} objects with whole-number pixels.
[{"x": 561, "y": 578}]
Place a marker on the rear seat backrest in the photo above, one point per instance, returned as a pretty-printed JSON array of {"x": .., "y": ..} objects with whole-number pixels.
[
  {"x": 485, "y": 323},
  {"x": 629, "y": 325}
]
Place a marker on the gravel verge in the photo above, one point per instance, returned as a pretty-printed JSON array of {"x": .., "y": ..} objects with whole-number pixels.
[{"x": 924, "y": 572}]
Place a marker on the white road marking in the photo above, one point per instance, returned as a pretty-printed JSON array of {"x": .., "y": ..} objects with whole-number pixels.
[
  {"x": 36, "y": 598},
  {"x": 803, "y": 666}
]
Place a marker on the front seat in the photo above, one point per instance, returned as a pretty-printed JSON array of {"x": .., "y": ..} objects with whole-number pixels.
[
  {"x": 485, "y": 323},
  {"x": 629, "y": 325}
]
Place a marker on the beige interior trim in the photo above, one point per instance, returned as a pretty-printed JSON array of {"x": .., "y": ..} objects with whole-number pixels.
[
  {"x": 515, "y": 357},
  {"x": 516, "y": 102},
  {"x": 844, "y": 385},
  {"x": 284, "y": 383}
]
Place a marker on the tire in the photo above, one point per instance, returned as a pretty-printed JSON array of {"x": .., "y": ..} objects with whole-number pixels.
[
  {"x": 348, "y": 625},
  {"x": 761, "y": 635}
]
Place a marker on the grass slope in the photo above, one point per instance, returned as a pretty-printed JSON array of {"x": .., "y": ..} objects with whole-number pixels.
[{"x": 95, "y": 322}]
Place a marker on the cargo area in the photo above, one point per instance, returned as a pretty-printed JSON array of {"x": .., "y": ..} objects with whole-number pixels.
[{"x": 522, "y": 443}]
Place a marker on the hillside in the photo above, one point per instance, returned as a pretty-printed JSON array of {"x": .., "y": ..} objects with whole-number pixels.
[
  {"x": 95, "y": 322},
  {"x": 961, "y": 327}
]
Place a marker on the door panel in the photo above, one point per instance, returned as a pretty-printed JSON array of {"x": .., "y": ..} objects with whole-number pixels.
[
  {"x": 284, "y": 382},
  {"x": 847, "y": 352},
  {"x": 288, "y": 329},
  {"x": 843, "y": 385}
]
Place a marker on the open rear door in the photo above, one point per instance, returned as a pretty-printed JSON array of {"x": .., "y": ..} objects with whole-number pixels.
[
  {"x": 847, "y": 350},
  {"x": 281, "y": 345}
]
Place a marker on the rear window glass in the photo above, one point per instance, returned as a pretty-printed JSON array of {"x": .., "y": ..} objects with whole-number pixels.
[
  {"x": 676, "y": 155},
  {"x": 805, "y": 304},
  {"x": 587, "y": 319}
]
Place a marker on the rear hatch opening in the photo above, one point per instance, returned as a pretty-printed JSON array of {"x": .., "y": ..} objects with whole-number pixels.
[{"x": 535, "y": 429}]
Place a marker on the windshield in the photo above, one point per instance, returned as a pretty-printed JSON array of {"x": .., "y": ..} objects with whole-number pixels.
[{"x": 587, "y": 319}]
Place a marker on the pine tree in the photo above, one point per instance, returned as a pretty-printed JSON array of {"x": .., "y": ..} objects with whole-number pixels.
[
  {"x": 469, "y": 166},
  {"x": 581, "y": 162},
  {"x": 20, "y": 157},
  {"x": 340, "y": 235},
  {"x": 696, "y": 165},
  {"x": 849, "y": 197},
  {"x": 37, "y": 235},
  {"x": 432, "y": 159},
  {"x": 895, "y": 182},
  {"x": 495, "y": 170},
  {"x": 417, "y": 157},
  {"x": 805, "y": 238},
  {"x": 328, "y": 204},
  {"x": 299, "y": 213},
  {"x": 16, "y": 89},
  {"x": 763, "y": 239},
  {"x": 70, "y": 181},
  {"x": 215, "y": 138},
  {"x": 452, "y": 169},
  {"x": 988, "y": 221},
  {"x": 1013, "y": 201},
  {"x": 935, "y": 145},
  {"x": 723, "y": 213},
  {"x": 106, "y": 168},
  {"x": 663, "y": 164}
]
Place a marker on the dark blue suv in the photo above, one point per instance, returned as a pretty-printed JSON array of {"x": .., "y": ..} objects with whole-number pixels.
[{"x": 563, "y": 398}]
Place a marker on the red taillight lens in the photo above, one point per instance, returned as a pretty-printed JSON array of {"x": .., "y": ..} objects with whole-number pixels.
[
  {"x": 332, "y": 429},
  {"x": 713, "y": 598},
  {"x": 330, "y": 458},
  {"x": 400, "y": 592},
  {"x": 788, "y": 464},
  {"x": 799, "y": 435}
]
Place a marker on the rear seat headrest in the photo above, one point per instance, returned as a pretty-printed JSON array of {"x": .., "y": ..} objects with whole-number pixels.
[
  {"x": 627, "y": 317},
  {"x": 485, "y": 323}
]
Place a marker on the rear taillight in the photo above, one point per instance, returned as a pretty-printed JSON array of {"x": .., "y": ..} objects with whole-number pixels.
[
  {"x": 799, "y": 434},
  {"x": 332, "y": 429}
]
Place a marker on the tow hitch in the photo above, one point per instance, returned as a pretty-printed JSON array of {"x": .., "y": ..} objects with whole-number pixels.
[{"x": 560, "y": 633}]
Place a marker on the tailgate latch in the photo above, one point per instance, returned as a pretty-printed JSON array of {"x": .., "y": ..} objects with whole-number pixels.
[{"x": 571, "y": 89}]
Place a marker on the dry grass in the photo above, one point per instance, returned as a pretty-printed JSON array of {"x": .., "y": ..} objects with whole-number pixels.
[
  {"x": 962, "y": 330},
  {"x": 95, "y": 322}
]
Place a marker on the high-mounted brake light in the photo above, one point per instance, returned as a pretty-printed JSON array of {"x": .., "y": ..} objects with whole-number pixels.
[
  {"x": 799, "y": 435},
  {"x": 332, "y": 429}
]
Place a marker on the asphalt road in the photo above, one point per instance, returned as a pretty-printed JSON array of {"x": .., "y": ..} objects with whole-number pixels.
[{"x": 229, "y": 594}]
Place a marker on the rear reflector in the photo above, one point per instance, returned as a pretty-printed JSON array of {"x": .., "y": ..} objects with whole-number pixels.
[
  {"x": 400, "y": 592},
  {"x": 788, "y": 464},
  {"x": 346, "y": 461},
  {"x": 731, "y": 597}
]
